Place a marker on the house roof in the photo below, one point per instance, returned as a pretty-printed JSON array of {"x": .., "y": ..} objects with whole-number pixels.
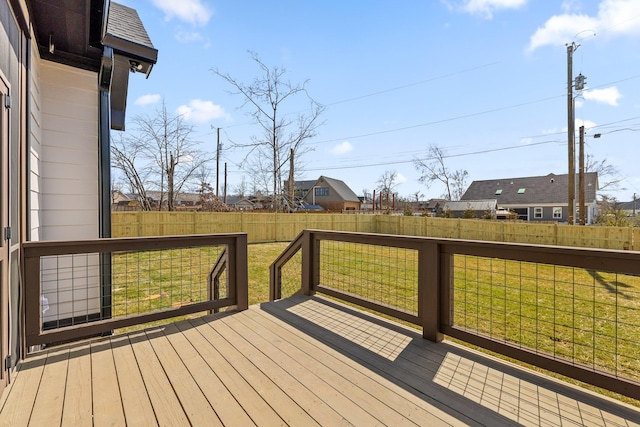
[
  {"x": 474, "y": 205},
  {"x": 126, "y": 34},
  {"x": 434, "y": 203},
  {"x": 530, "y": 190},
  {"x": 339, "y": 187},
  {"x": 95, "y": 35}
]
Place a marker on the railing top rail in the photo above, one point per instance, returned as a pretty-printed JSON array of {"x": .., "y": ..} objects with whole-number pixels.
[
  {"x": 57, "y": 247},
  {"x": 291, "y": 249},
  {"x": 589, "y": 258}
]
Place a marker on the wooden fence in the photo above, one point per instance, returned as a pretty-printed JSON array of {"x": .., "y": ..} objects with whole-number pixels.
[{"x": 283, "y": 227}]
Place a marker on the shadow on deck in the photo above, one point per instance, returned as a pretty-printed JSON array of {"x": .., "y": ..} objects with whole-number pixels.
[{"x": 298, "y": 361}]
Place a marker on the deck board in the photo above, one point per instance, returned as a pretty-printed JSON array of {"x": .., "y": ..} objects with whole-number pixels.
[
  {"x": 77, "y": 398},
  {"x": 135, "y": 399},
  {"x": 107, "y": 401},
  {"x": 300, "y": 361}
]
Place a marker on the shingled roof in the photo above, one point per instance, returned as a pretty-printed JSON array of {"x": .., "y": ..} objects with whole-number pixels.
[
  {"x": 126, "y": 33},
  {"x": 530, "y": 190}
]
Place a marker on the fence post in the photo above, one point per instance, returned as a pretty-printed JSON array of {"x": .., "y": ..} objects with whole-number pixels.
[{"x": 429, "y": 291}]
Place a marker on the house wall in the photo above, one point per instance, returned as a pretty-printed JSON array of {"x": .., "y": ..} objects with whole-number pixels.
[
  {"x": 68, "y": 162},
  {"x": 35, "y": 146},
  {"x": 64, "y": 184}
]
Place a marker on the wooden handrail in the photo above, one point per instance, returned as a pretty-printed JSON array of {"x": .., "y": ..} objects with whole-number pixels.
[
  {"x": 435, "y": 287},
  {"x": 233, "y": 260}
]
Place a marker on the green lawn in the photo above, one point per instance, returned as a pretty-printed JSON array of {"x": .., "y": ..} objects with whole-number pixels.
[{"x": 588, "y": 317}]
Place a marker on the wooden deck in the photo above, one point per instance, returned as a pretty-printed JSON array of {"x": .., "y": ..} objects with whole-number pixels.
[{"x": 300, "y": 361}]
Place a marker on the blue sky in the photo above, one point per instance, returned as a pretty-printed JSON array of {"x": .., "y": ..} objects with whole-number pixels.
[{"x": 485, "y": 80}]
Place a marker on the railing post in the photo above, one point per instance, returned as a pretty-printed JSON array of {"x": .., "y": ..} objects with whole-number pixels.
[
  {"x": 310, "y": 263},
  {"x": 240, "y": 263},
  {"x": 429, "y": 291},
  {"x": 32, "y": 298}
]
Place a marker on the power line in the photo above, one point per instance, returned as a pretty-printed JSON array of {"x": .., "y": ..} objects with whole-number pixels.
[
  {"x": 435, "y": 122},
  {"x": 466, "y": 70},
  {"x": 393, "y": 89}
]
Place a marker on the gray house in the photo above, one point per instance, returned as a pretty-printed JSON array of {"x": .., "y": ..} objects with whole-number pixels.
[
  {"x": 479, "y": 208},
  {"x": 536, "y": 198}
]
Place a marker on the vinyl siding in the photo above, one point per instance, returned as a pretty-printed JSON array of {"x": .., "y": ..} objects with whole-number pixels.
[
  {"x": 64, "y": 185},
  {"x": 68, "y": 167}
]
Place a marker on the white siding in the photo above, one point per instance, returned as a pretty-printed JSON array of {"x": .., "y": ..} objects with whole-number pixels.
[
  {"x": 35, "y": 147},
  {"x": 64, "y": 183},
  {"x": 68, "y": 167}
]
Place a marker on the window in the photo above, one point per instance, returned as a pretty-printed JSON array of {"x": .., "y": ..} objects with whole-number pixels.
[
  {"x": 498, "y": 192},
  {"x": 322, "y": 191},
  {"x": 537, "y": 213},
  {"x": 557, "y": 212},
  {"x": 521, "y": 190}
]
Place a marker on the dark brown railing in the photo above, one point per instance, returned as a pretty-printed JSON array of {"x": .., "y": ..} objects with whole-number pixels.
[
  {"x": 75, "y": 289},
  {"x": 568, "y": 310}
]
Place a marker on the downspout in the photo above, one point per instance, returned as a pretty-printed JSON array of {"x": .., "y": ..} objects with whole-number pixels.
[{"x": 104, "y": 177}]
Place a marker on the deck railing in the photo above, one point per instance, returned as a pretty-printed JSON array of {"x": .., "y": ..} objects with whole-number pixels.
[
  {"x": 569, "y": 310},
  {"x": 75, "y": 289}
]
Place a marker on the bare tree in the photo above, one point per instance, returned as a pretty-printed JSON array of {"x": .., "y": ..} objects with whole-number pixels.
[
  {"x": 433, "y": 169},
  {"x": 609, "y": 178},
  {"x": 241, "y": 189},
  {"x": 125, "y": 157},
  {"x": 280, "y": 133},
  {"x": 387, "y": 182},
  {"x": 165, "y": 140}
]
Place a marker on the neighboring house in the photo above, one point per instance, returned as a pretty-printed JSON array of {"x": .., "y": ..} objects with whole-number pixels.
[
  {"x": 631, "y": 208},
  {"x": 477, "y": 208},
  {"x": 64, "y": 72},
  {"x": 536, "y": 198},
  {"x": 300, "y": 188},
  {"x": 366, "y": 203},
  {"x": 332, "y": 194},
  {"x": 434, "y": 207},
  {"x": 244, "y": 205}
]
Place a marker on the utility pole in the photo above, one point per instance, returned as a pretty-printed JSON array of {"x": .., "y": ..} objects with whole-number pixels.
[
  {"x": 291, "y": 181},
  {"x": 218, "y": 165},
  {"x": 571, "y": 203},
  {"x": 225, "y": 183},
  {"x": 581, "y": 178}
]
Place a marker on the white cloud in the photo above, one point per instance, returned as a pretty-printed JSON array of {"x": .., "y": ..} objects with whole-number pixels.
[
  {"x": 609, "y": 95},
  {"x": 526, "y": 141},
  {"x": 342, "y": 148},
  {"x": 148, "y": 99},
  {"x": 188, "y": 36},
  {"x": 616, "y": 17},
  {"x": 194, "y": 12},
  {"x": 486, "y": 8},
  {"x": 400, "y": 178},
  {"x": 202, "y": 111}
]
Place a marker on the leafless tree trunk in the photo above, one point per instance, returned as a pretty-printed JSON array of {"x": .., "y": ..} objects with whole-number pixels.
[
  {"x": 433, "y": 169},
  {"x": 165, "y": 140},
  {"x": 266, "y": 95},
  {"x": 123, "y": 157}
]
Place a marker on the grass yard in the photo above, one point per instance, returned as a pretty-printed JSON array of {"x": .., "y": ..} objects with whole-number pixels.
[{"x": 588, "y": 317}]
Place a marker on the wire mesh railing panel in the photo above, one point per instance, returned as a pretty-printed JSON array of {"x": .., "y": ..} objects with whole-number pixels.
[
  {"x": 291, "y": 277},
  {"x": 80, "y": 288},
  {"x": 590, "y": 318},
  {"x": 381, "y": 274}
]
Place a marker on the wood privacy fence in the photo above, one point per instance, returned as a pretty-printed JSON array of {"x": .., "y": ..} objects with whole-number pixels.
[{"x": 284, "y": 227}]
